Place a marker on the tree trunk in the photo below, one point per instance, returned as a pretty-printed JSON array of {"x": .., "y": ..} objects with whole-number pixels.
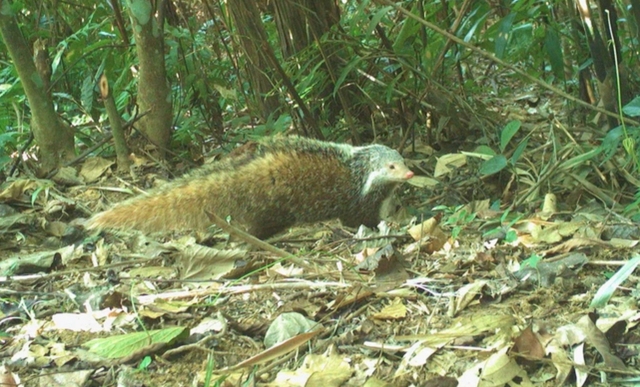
[
  {"x": 253, "y": 40},
  {"x": 302, "y": 22},
  {"x": 154, "y": 95},
  {"x": 119, "y": 142},
  {"x": 51, "y": 135}
]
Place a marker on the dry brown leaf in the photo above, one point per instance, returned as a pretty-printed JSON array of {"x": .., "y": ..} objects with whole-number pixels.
[
  {"x": 67, "y": 176},
  {"x": 549, "y": 206},
  {"x": 396, "y": 311},
  {"x": 572, "y": 244},
  {"x": 416, "y": 356},
  {"x": 528, "y": 344},
  {"x": 56, "y": 228},
  {"x": 500, "y": 369},
  {"x": 7, "y": 378},
  {"x": 425, "y": 228},
  {"x": 623, "y": 243},
  {"x": 428, "y": 235},
  {"x": 276, "y": 351},
  {"x": 206, "y": 263},
  {"x": 448, "y": 163},
  {"x": 468, "y": 294},
  {"x": 94, "y": 167},
  {"x": 556, "y": 232},
  {"x": 356, "y": 294},
  {"x": 326, "y": 370},
  {"x": 596, "y": 338},
  {"x": 423, "y": 182},
  {"x": 16, "y": 189}
]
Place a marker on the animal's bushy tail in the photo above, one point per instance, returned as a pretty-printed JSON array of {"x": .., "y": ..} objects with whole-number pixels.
[{"x": 179, "y": 206}]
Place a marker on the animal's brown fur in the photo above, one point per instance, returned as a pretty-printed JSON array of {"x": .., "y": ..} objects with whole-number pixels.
[{"x": 269, "y": 187}]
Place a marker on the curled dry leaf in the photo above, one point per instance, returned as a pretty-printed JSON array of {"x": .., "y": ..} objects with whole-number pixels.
[{"x": 428, "y": 235}]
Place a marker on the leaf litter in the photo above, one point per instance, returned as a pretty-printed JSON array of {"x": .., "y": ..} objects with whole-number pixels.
[{"x": 478, "y": 295}]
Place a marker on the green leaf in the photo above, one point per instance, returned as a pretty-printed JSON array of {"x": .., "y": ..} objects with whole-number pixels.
[
  {"x": 493, "y": 165},
  {"x": 479, "y": 23},
  {"x": 377, "y": 17},
  {"x": 511, "y": 236},
  {"x": 518, "y": 152},
  {"x": 554, "y": 50},
  {"x": 578, "y": 160},
  {"x": 407, "y": 34},
  {"x": 504, "y": 32},
  {"x": 145, "y": 363},
  {"x": 61, "y": 50},
  {"x": 345, "y": 72},
  {"x": 87, "y": 93},
  {"x": 98, "y": 44},
  {"x": 8, "y": 138},
  {"x": 119, "y": 346},
  {"x": 632, "y": 109},
  {"x": 493, "y": 233},
  {"x": 532, "y": 261},
  {"x": 512, "y": 220},
  {"x": 629, "y": 145},
  {"x": 505, "y": 216},
  {"x": 485, "y": 150},
  {"x": 41, "y": 188},
  {"x": 606, "y": 291},
  {"x": 610, "y": 143},
  {"x": 508, "y": 132}
]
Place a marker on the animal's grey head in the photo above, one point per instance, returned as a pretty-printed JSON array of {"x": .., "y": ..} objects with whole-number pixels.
[{"x": 383, "y": 166}]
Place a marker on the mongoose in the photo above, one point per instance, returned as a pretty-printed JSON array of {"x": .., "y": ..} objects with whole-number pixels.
[{"x": 270, "y": 186}]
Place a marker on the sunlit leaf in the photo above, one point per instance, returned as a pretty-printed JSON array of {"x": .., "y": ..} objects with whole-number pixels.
[
  {"x": 606, "y": 290},
  {"x": 113, "y": 347},
  {"x": 485, "y": 150}
]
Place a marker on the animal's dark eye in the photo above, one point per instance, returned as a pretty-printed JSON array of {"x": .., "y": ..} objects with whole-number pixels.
[{"x": 391, "y": 166}]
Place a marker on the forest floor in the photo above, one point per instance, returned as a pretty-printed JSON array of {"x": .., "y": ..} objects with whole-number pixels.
[{"x": 468, "y": 294}]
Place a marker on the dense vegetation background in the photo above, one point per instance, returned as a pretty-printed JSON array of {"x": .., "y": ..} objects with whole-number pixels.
[{"x": 186, "y": 75}]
